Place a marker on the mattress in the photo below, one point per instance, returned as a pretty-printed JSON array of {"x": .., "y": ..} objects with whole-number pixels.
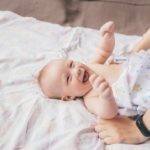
[{"x": 28, "y": 119}]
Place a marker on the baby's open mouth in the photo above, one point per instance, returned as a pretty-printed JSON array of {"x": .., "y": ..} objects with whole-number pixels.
[{"x": 86, "y": 77}]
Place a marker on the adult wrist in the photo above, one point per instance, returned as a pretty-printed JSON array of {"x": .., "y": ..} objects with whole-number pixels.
[
  {"x": 146, "y": 120},
  {"x": 139, "y": 137},
  {"x": 142, "y": 127}
]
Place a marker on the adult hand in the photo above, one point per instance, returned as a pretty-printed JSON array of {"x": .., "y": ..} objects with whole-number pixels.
[{"x": 119, "y": 130}]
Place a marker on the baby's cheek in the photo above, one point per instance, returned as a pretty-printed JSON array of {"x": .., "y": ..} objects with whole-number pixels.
[
  {"x": 75, "y": 87},
  {"x": 76, "y": 84}
]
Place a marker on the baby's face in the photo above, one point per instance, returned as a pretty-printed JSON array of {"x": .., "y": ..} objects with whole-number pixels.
[{"x": 68, "y": 78}]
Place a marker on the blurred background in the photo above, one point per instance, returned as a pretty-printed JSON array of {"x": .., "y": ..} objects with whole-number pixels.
[{"x": 130, "y": 16}]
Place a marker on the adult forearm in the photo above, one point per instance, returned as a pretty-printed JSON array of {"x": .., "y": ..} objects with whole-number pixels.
[{"x": 140, "y": 137}]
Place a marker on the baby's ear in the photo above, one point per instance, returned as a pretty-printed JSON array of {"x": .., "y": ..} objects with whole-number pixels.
[{"x": 67, "y": 98}]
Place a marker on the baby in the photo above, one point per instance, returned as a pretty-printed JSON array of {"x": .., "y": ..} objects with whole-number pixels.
[{"x": 67, "y": 79}]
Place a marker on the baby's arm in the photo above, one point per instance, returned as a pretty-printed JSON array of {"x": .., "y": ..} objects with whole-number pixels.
[
  {"x": 143, "y": 44},
  {"x": 103, "y": 105},
  {"x": 107, "y": 44}
]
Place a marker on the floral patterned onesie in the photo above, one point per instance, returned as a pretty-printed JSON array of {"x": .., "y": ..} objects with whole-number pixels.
[{"x": 132, "y": 90}]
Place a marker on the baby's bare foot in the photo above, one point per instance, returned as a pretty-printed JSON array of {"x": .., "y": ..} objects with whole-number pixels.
[
  {"x": 107, "y": 28},
  {"x": 108, "y": 39}
]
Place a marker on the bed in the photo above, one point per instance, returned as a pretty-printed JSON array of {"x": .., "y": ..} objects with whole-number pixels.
[
  {"x": 130, "y": 16},
  {"x": 28, "y": 119}
]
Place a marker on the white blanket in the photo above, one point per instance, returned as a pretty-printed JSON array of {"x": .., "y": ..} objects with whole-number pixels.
[{"x": 28, "y": 119}]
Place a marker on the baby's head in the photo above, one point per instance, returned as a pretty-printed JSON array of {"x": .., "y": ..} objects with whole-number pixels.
[{"x": 65, "y": 79}]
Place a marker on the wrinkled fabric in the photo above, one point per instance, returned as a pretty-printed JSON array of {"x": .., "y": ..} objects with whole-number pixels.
[
  {"x": 28, "y": 119},
  {"x": 132, "y": 90}
]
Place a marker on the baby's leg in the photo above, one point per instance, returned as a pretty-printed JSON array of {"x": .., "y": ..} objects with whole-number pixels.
[
  {"x": 108, "y": 39},
  {"x": 107, "y": 44}
]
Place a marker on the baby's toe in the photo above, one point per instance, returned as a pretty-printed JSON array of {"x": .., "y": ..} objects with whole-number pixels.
[
  {"x": 111, "y": 26},
  {"x": 107, "y": 27}
]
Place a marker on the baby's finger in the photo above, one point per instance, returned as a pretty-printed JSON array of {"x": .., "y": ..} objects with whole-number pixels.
[
  {"x": 107, "y": 93},
  {"x": 92, "y": 78},
  {"x": 103, "y": 86},
  {"x": 98, "y": 81}
]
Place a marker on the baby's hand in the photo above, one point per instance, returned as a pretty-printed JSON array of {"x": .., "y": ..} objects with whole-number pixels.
[
  {"x": 101, "y": 87},
  {"x": 107, "y": 28}
]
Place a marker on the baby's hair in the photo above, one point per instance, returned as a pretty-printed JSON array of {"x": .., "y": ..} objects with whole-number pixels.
[{"x": 42, "y": 75}]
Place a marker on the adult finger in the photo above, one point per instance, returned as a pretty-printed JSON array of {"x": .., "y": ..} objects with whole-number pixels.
[
  {"x": 100, "y": 128},
  {"x": 102, "y": 121},
  {"x": 109, "y": 140},
  {"x": 104, "y": 134}
]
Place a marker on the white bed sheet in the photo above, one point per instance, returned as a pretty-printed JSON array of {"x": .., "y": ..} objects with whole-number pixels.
[{"x": 28, "y": 119}]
